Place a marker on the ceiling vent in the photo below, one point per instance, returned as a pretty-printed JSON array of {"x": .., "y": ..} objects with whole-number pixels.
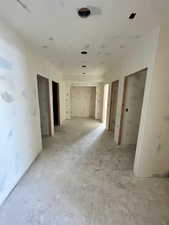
[{"x": 84, "y": 12}]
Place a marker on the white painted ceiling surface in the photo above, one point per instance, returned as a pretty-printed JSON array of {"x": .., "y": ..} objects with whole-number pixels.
[{"x": 101, "y": 35}]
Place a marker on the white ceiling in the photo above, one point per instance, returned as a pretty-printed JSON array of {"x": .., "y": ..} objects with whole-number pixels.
[{"x": 101, "y": 35}]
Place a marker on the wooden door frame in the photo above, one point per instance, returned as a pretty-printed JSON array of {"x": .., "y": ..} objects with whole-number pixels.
[
  {"x": 124, "y": 101},
  {"x": 49, "y": 103},
  {"x": 111, "y": 100}
]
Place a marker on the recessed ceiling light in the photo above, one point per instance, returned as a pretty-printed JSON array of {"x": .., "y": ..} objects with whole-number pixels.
[
  {"x": 44, "y": 46},
  {"x": 84, "y": 12},
  {"x": 83, "y": 52},
  {"x": 84, "y": 66},
  {"x": 83, "y": 73},
  {"x": 132, "y": 16}
]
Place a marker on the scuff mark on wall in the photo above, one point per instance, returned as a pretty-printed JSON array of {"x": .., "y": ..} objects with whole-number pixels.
[
  {"x": 7, "y": 97},
  {"x": 10, "y": 133},
  {"x": 24, "y": 94}
]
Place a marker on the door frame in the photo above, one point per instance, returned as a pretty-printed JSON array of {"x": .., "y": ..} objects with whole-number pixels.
[
  {"x": 124, "y": 101},
  {"x": 49, "y": 103},
  {"x": 111, "y": 101}
]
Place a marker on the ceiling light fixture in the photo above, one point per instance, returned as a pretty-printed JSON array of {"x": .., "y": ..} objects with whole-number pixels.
[
  {"x": 132, "y": 16},
  {"x": 84, "y": 66},
  {"x": 84, "y": 73},
  {"x": 84, "y": 12},
  {"x": 44, "y": 46}
]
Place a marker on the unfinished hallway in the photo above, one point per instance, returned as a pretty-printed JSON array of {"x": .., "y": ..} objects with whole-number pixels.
[
  {"x": 84, "y": 137},
  {"x": 83, "y": 178}
]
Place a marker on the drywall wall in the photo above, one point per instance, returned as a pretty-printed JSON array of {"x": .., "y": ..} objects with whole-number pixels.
[
  {"x": 113, "y": 106},
  {"x": 152, "y": 158},
  {"x": 152, "y": 152},
  {"x": 67, "y": 100},
  {"x": 135, "y": 85},
  {"x": 99, "y": 98},
  {"x": 105, "y": 103},
  {"x": 20, "y": 136},
  {"x": 141, "y": 57},
  {"x": 83, "y": 101},
  {"x": 99, "y": 101}
]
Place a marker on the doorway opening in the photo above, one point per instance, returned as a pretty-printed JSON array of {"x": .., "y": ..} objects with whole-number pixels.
[
  {"x": 105, "y": 103},
  {"x": 113, "y": 106},
  {"x": 56, "y": 104},
  {"x": 133, "y": 95},
  {"x": 44, "y": 105},
  {"x": 83, "y": 101}
]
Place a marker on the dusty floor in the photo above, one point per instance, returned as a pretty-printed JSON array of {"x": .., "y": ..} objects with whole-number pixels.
[{"x": 82, "y": 178}]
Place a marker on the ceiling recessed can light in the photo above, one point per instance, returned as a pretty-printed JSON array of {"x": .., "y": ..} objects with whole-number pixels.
[
  {"x": 84, "y": 66},
  {"x": 132, "y": 16},
  {"x": 83, "y": 52},
  {"x": 84, "y": 12},
  {"x": 84, "y": 73}
]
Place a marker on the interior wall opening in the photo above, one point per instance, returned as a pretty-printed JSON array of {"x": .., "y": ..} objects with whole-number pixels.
[
  {"x": 44, "y": 105},
  {"x": 83, "y": 101},
  {"x": 132, "y": 107},
  {"x": 105, "y": 103},
  {"x": 56, "y": 103},
  {"x": 113, "y": 106}
]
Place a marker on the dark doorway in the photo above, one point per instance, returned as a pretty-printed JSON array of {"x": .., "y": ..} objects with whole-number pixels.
[
  {"x": 44, "y": 105},
  {"x": 113, "y": 105},
  {"x": 56, "y": 104}
]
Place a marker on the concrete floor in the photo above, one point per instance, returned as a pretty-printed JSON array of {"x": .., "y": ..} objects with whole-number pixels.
[{"x": 82, "y": 178}]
